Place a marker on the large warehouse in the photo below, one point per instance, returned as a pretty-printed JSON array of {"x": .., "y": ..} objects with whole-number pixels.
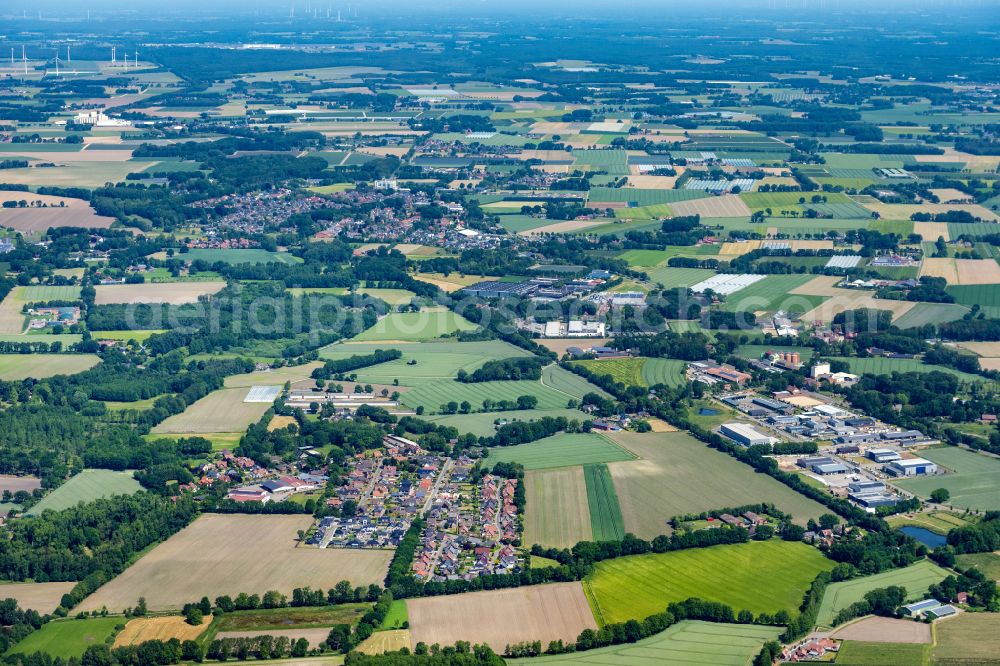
[{"x": 745, "y": 434}]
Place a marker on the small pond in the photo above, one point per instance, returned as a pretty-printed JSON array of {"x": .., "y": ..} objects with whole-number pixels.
[
  {"x": 924, "y": 536},
  {"x": 705, "y": 411}
]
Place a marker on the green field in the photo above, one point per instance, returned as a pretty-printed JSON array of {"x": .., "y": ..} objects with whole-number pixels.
[
  {"x": 683, "y": 644},
  {"x": 432, "y": 395},
  {"x": 677, "y": 278},
  {"x": 42, "y": 293},
  {"x": 68, "y": 638},
  {"x": 326, "y": 291},
  {"x": 645, "y": 258},
  {"x": 653, "y": 212},
  {"x": 390, "y": 296},
  {"x": 87, "y": 486},
  {"x": 562, "y": 450},
  {"x": 974, "y": 482},
  {"x": 433, "y": 361},
  {"x": 483, "y": 424},
  {"x": 772, "y": 293},
  {"x": 862, "y": 653},
  {"x": 987, "y": 296},
  {"x": 641, "y": 197},
  {"x": 239, "y": 256},
  {"x": 138, "y": 336},
  {"x": 677, "y": 474},
  {"x": 606, "y": 522},
  {"x": 988, "y": 563},
  {"x": 922, "y": 314},
  {"x": 220, "y": 440},
  {"x": 626, "y": 371},
  {"x": 569, "y": 384},
  {"x": 262, "y": 619},
  {"x": 916, "y": 578},
  {"x": 396, "y": 616},
  {"x": 639, "y": 371},
  {"x": 759, "y": 576},
  {"x": 427, "y": 324},
  {"x": 884, "y": 366},
  {"x": 40, "y": 366}
]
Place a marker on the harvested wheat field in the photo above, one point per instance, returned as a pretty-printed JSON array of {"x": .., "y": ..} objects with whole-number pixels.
[
  {"x": 557, "y": 514},
  {"x": 279, "y": 422},
  {"x": 931, "y": 231},
  {"x": 567, "y": 227},
  {"x": 941, "y": 267},
  {"x": 37, "y": 220},
  {"x": 175, "y": 293},
  {"x": 41, "y": 597},
  {"x": 160, "y": 628},
  {"x": 989, "y": 349},
  {"x": 738, "y": 249},
  {"x": 654, "y": 182},
  {"x": 885, "y": 630},
  {"x": 219, "y": 411},
  {"x": 990, "y": 363},
  {"x": 502, "y": 617},
  {"x": 273, "y": 377},
  {"x": 904, "y": 211},
  {"x": 659, "y": 425},
  {"x": 380, "y": 642},
  {"x": 727, "y": 205},
  {"x": 841, "y": 300},
  {"x": 978, "y": 271},
  {"x": 228, "y": 554}
]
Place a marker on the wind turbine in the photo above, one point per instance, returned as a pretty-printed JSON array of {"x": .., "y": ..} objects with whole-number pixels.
[{"x": 24, "y": 59}]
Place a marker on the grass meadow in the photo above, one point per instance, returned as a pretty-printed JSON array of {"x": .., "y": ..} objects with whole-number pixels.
[
  {"x": 557, "y": 512},
  {"x": 483, "y": 424},
  {"x": 974, "y": 481},
  {"x": 239, "y": 256},
  {"x": 605, "y": 514},
  {"x": 988, "y": 563},
  {"x": 676, "y": 474},
  {"x": 562, "y": 450},
  {"x": 427, "y": 324},
  {"x": 40, "y": 366},
  {"x": 639, "y": 371},
  {"x": 67, "y": 638},
  {"x": 916, "y": 578},
  {"x": 970, "y": 638},
  {"x": 884, "y": 366},
  {"x": 87, "y": 486},
  {"x": 688, "y": 642},
  {"x": 864, "y": 653},
  {"x": 637, "y": 586},
  {"x": 431, "y": 361}
]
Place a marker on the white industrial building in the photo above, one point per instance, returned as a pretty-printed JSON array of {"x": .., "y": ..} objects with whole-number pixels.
[
  {"x": 911, "y": 467},
  {"x": 746, "y": 434},
  {"x": 98, "y": 119}
]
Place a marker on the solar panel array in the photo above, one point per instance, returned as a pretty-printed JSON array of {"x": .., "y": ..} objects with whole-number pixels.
[
  {"x": 844, "y": 261},
  {"x": 725, "y": 284}
]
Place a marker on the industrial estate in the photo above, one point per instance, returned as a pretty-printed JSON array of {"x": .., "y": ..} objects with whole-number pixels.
[{"x": 563, "y": 335}]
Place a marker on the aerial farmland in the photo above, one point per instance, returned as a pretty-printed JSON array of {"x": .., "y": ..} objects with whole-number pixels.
[{"x": 402, "y": 334}]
